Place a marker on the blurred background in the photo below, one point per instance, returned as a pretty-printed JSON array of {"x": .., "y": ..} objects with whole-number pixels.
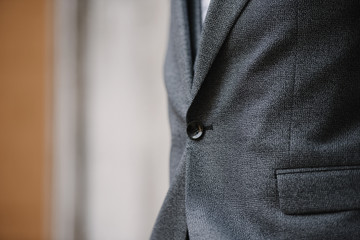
[{"x": 84, "y": 133}]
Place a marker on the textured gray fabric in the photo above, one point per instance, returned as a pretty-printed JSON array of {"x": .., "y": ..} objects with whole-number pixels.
[
  {"x": 316, "y": 190},
  {"x": 279, "y": 82}
]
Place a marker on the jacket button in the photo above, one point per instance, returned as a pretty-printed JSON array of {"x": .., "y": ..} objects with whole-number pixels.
[{"x": 195, "y": 130}]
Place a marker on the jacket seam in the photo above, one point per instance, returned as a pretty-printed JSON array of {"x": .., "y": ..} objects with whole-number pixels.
[
  {"x": 294, "y": 83},
  {"x": 319, "y": 170}
]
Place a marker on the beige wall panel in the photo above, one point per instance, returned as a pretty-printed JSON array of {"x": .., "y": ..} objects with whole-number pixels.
[{"x": 23, "y": 69}]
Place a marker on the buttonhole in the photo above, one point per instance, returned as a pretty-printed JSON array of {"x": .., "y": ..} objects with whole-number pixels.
[{"x": 210, "y": 127}]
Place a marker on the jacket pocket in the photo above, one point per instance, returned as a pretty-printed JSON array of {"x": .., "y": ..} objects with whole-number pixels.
[{"x": 317, "y": 190}]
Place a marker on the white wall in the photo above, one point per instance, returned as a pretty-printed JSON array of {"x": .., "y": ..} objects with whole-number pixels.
[
  {"x": 111, "y": 136},
  {"x": 127, "y": 137},
  {"x": 65, "y": 107}
]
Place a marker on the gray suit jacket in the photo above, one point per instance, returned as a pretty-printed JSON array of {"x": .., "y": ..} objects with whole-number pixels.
[{"x": 265, "y": 121}]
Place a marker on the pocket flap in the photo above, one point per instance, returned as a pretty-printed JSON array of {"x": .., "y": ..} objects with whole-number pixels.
[{"x": 316, "y": 190}]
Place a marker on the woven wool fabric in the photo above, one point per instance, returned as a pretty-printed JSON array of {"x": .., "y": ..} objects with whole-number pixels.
[{"x": 276, "y": 86}]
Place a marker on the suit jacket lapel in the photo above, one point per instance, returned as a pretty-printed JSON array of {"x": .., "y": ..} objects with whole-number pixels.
[{"x": 218, "y": 23}]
